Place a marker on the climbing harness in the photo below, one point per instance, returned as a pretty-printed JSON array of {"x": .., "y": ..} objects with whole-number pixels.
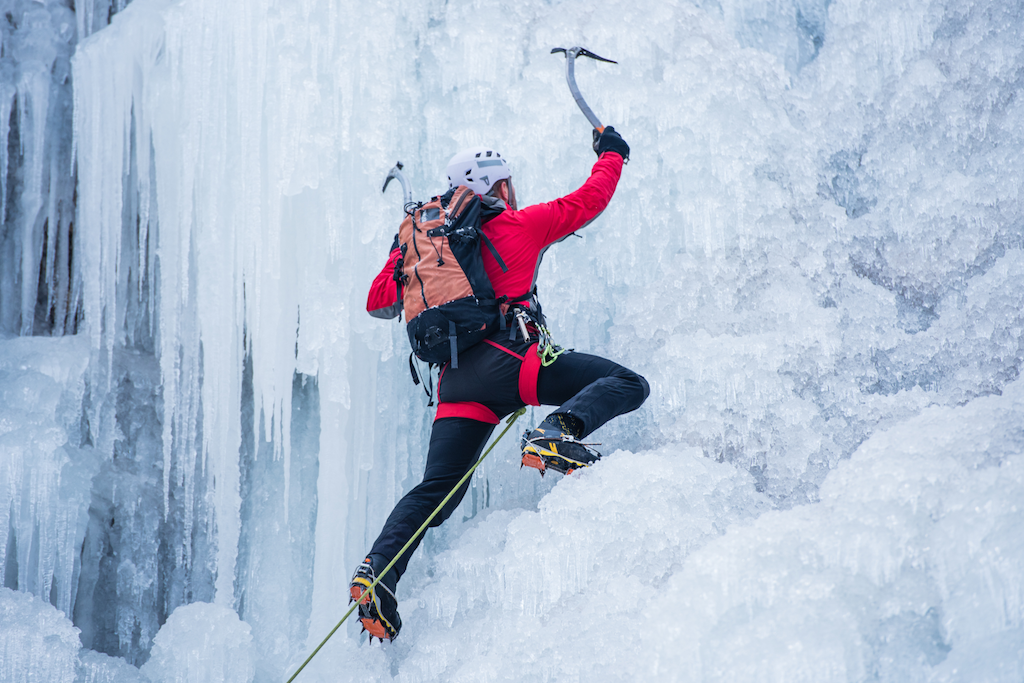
[
  {"x": 508, "y": 425},
  {"x": 533, "y": 316}
]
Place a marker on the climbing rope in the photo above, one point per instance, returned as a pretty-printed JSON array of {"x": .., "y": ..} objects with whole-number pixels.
[{"x": 511, "y": 421}]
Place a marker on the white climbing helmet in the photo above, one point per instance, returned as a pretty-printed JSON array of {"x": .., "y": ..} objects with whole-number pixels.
[{"x": 478, "y": 168}]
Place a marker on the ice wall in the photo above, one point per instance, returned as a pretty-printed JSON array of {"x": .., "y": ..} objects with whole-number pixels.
[
  {"x": 38, "y": 291},
  {"x": 817, "y": 243},
  {"x": 209, "y": 269},
  {"x": 36, "y": 205},
  {"x": 46, "y": 466},
  {"x": 77, "y": 442},
  {"x": 668, "y": 566}
]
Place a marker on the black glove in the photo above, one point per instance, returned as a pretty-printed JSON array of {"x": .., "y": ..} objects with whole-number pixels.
[{"x": 610, "y": 141}]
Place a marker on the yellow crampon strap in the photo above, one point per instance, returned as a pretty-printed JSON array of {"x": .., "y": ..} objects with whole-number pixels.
[{"x": 511, "y": 421}]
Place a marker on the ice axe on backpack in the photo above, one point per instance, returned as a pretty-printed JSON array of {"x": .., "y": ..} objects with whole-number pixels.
[
  {"x": 570, "y": 76},
  {"x": 396, "y": 172}
]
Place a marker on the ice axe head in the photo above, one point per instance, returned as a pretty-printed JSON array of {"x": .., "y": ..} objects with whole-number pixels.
[
  {"x": 396, "y": 172},
  {"x": 574, "y": 52},
  {"x": 570, "y": 59}
]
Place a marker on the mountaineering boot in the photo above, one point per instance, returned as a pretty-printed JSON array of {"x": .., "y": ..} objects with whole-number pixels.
[
  {"x": 378, "y": 611},
  {"x": 555, "y": 445}
]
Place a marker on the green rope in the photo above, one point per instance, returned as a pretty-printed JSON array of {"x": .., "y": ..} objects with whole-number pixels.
[{"x": 511, "y": 420}]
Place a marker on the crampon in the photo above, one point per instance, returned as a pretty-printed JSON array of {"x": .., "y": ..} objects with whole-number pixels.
[
  {"x": 378, "y": 608},
  {"x": 551, "y": 447}
]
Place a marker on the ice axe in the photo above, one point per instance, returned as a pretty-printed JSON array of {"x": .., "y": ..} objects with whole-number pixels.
[
  {"x": 570, "y": 76},
  {"x": 396, "y": 172}
]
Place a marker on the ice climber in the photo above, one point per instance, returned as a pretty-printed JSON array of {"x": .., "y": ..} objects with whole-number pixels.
[{"x": 500, "y": 375}]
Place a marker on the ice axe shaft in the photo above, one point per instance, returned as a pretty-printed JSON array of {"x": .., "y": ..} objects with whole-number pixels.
[{"x": 570, "y": 76}]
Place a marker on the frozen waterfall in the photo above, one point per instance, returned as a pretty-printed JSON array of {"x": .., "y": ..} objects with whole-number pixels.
[{"x": 815, "y": 256}]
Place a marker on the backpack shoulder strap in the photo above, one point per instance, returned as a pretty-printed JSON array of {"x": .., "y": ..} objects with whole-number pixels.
[{"x": 494, "y": 252}]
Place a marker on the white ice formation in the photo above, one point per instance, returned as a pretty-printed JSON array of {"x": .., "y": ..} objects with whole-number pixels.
[
  {"x": 815, "y": 255},
  {"x": 201, "y": 642},
  {"x": 38, "y": 644}
]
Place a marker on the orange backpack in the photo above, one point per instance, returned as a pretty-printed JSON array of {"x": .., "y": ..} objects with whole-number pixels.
[{"x": 449, "y": 301}]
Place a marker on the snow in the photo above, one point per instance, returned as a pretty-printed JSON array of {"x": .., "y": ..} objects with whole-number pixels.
[
  {"x": 94, "y": 667},
  {"x": 202, "y": 642},
  {"x": 815, "y": 256},
  {"x": 39, "y": 642}
]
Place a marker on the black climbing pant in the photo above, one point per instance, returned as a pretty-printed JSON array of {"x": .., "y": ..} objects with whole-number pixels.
[{"x": 592, "y": 389}]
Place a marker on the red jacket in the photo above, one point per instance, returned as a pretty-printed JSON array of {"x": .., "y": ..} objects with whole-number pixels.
[{"x": 520, "y": 237}]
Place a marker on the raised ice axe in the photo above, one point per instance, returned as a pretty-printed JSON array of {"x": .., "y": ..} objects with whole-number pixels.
[
  {"x": 396, "y": 172},
  {"x": 570, "y": 76}
]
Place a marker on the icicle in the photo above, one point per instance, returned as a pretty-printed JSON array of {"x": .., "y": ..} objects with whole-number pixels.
[
  {"x": 7, "y": 95},
  {"x": 52, "y": 232},
  {"x": 33, "y": 106}
]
